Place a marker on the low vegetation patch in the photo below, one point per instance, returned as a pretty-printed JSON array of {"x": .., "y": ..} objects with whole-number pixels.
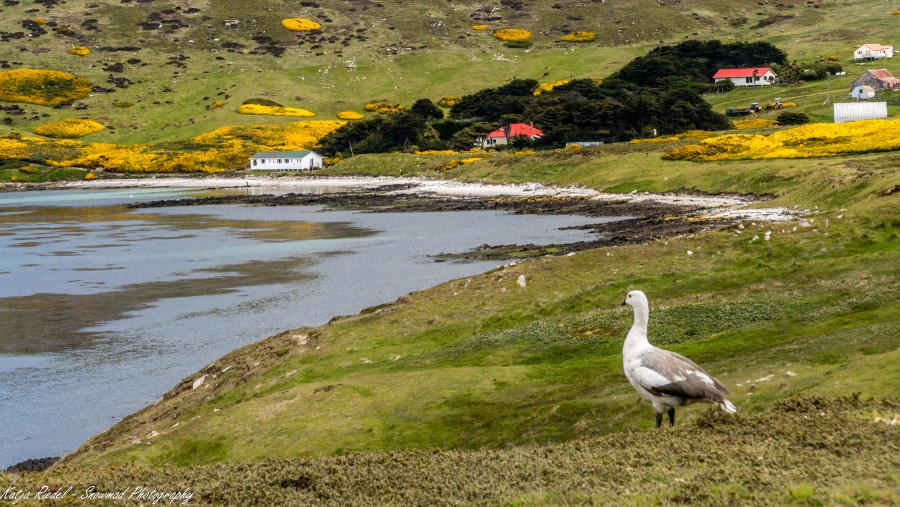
[
  {"x": 79, "y": 50},
  {"x": 811, "y": 140},
  {"x": 820, "y": 451},
  {"x": 274, "y": 110},
  {"x": 511, "y": 34},
  {"x": 43, "y": 87},
  {"x": 350, "y": 115},
  {"x": 69, "y": 128},
  {"x": 579, "y": 37},
  {"x": 300, "y": 24},
  {"x": 754, "y": 123}
]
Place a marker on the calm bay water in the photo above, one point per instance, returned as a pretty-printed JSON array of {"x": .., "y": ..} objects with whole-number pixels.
[{"x": 103, "y": 309}]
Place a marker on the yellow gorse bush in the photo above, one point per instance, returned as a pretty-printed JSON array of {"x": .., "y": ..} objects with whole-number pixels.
[
  {"x": 300, "y": 24},
  {"x": 350, "y": 115},
  {"x": 511, "y": 34},
  {"x": 690, "y": 134},
  {"x": 223, "y": 149},
  {"x": 753, "y": 123},
  {"x": 79, "y": 50},
  {"x": 69, "y": 128},
  {"x": 471, "y": 160},
  {"x": 479, "y": 27},
  {"x": 579, "y": 37},
  {"x": 383, "y": 107},
  {"x": 550, "y": 85},
  {"x": 449, "y": 101},
  {"x": 274, "y": 110},
  {"x": 805, "y": 141},
  {"x": 43, "y": 87}
]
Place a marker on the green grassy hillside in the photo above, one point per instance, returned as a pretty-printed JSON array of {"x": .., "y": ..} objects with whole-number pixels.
[
  {"x": 181, "y": 57},
  {"x": 482, "y": 362}
]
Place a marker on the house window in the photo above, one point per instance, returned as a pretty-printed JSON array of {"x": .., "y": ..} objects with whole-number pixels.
[
  {"x": 749, "y": 80},
  {"x": 254, "y": 162}
]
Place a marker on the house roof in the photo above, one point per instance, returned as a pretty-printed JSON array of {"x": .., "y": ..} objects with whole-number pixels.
[
  {"x": 283, "y": 154},
  {"x": 745, "y": 72},
  {"x": 517, "y": 129},
  {"x": 874, "y": 47},
  {"x": 880, "y": 74}
]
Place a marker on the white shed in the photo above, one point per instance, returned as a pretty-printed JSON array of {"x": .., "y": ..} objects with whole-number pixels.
[
  {"x": 305, "y": 160},
  {"x": 863, "y": 92}
]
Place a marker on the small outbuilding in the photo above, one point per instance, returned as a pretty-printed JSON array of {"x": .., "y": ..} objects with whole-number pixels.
[
  {"x": 749, "y": 76},
  {"x": 863, "y": 92},
  {"x": 873, "y": 52},
  {"x": 878, "y": 79},
  {"x": 306, "y": 160}
]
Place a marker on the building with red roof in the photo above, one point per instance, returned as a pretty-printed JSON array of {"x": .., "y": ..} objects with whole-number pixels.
[
  {"x": 502, "y": 135},
  {"x": 748, "y": 76},
  {"x": 878, "y": 79}
]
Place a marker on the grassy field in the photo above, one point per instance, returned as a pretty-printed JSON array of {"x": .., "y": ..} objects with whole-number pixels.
[{"x": 481, "y": 363}]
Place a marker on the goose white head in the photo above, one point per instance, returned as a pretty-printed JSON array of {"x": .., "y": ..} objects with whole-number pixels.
[{"x": 638, "y": 301}]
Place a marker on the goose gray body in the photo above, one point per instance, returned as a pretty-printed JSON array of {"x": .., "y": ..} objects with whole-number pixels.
[{"x": 662, "y": 377}]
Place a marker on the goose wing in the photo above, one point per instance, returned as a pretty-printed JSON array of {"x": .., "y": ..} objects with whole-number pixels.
[{"x": 662, "y": 372}]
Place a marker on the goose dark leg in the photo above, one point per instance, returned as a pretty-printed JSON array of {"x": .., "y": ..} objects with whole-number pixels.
[
  {"x": 671, "y": 416},
  {"x": 658, "y": 419}
]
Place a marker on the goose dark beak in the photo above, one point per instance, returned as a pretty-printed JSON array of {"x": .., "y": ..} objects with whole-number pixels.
[{"x": 624, "y": 302}]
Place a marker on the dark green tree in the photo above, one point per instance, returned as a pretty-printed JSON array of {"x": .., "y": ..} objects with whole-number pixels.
[{"x": 427, "y": 110}]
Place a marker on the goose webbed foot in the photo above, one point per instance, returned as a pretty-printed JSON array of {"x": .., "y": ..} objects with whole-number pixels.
[{"x": 671, "y": 416}]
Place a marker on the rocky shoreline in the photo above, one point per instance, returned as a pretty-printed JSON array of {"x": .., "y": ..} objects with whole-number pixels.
[{"x": 646, "y": 219}]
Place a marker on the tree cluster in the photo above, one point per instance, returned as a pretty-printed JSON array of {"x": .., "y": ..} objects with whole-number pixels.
[{"x": 659, "y": 92}]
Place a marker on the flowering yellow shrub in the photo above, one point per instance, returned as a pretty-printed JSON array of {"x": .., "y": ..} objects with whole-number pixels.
[
  {"x": 350, "y": 115},
  {"x": 449, "y": 101},
  {"x": 479, "y": 27},
  {"x": 788, "y": 104},
  {"x": 274, "y": 110},
  {"x": 450, "y": 164},
  {"x": 690, "y": 134},
  {"x": 753, "y": 123},
  {"x": 69, "y": 128},
  {"x": 90, "y": 176},
  {"x": 550, "y": 85},
  {"x": 300, "y": 24},
  {"x": 383, "y": 107},
  {"x": 294, "y": 136},
  {"x": 79, "y": 50},
  {"x": 39, "y": 21},
  {"x": 471, "y": 160},
  {"x": 215, "y": 105},
  {"x": 44, "y": 87},
  {"x": 29, "y": 169},
  {"x": 810, "y": 140},
  {"x": 223, "y": 149},
  {"x": 511, "y": 34},
  {"x": 436, "y": 152},
  {"x": 579, "y": 37},
  {"x": 524, "y": 152}
]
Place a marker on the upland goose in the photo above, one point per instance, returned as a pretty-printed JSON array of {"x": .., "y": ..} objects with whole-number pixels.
[{"x": 664, "y": 378}]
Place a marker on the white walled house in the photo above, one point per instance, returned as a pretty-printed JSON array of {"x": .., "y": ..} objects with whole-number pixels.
[
  {"x": 751, "y": 76},
  {"x": 305, "y": 160},
  {"x": 873, "y": 52}
]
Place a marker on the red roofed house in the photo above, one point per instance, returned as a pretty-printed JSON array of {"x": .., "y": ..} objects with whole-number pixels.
[
  {"x": 873, "y": 52},
  {"x": 752, "y": 76},
  {"x": 878, "y": 79},
  {"x": 502, "y": 135}
]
